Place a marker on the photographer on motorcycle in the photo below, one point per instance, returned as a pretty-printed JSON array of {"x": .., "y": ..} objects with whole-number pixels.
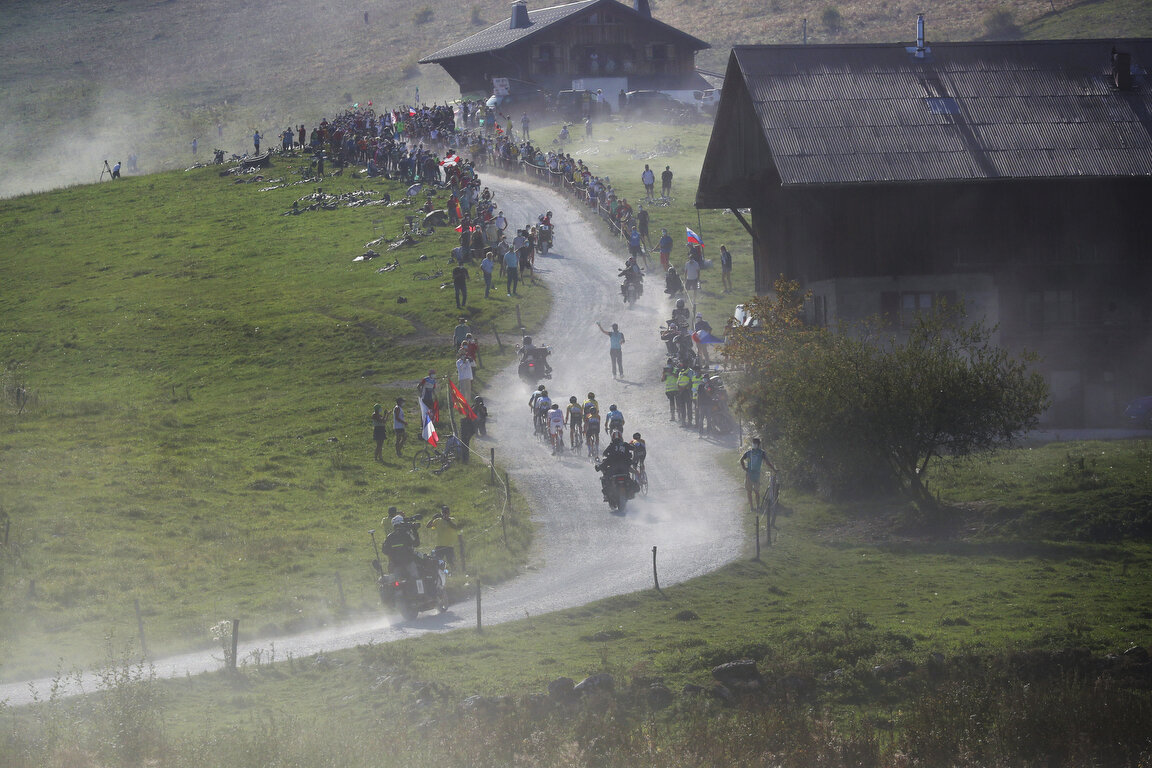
[
  {"x": 400, "y": 546},
  {"x": 617, "y": 460},
  {"x": 529, "y": 353}
]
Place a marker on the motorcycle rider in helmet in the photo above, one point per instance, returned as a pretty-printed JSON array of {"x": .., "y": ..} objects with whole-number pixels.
[
  {"x": 617, "y": 461},
  {"x": 672, "y": 282},
  {"x": 681, "y": 314},
  {"x": 400, "y": 546},
  {"x": 529, "y": 353}
]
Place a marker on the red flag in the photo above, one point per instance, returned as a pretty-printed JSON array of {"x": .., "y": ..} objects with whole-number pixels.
[{"x": 459, "y": 403}]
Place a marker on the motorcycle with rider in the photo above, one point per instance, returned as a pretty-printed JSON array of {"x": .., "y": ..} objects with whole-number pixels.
[
  {"x": 616, "y": 481},
  {"x": 414, "y": 582},
  {"x": 533, "y": 361}
]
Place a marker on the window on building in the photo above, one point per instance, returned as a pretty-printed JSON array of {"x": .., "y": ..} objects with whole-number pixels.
[
  {"x": 1051, "y": 307},
  {"x": 658, "y": 51},
  {"x": 899, "y": 309}
]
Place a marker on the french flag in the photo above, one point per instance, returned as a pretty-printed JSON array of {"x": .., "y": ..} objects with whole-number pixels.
[
  {"x": 429, "y": 431},
  {"x": 694, "y": 239}
]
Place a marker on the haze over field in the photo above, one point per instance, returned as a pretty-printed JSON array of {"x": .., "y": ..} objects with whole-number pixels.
[{"x": 83, "y": 82}]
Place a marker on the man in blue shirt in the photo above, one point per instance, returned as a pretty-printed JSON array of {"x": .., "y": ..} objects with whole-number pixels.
[
  {"x": 512, "y": 267},
  {"x": 615, "y": 347},
  {"x": 753, "y": 460}
]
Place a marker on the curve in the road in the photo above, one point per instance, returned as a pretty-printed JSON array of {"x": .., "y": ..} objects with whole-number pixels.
[{"x": 584, "y": 552}]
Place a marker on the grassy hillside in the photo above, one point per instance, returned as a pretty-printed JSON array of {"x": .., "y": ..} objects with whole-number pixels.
[
  {"x": 200, "y": 371},
  {"x": 83, "y": 82}
]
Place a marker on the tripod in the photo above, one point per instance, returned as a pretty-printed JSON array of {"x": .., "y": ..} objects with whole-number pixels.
[{"x": 104, "y": 170}]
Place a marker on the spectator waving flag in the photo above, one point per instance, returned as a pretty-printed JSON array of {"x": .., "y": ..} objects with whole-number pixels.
[
  {"x": 429, "y": 430},
  {"x": 459, "y": 403},
  {"x": 694, "y": 239}
]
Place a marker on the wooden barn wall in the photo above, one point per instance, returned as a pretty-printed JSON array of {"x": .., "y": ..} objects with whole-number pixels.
[{"x": 814, "y": 233}]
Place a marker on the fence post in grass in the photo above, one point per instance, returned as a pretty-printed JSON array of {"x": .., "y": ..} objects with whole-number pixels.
[
  {"x": 508, "y": 490},
  {"x": 140, "y": 626},
  {"x": 519, "y": 323},
  {"x": 655, "y": 576},
  {"x": 235, "y": 644},
  {"x": 8, "y": 525},
  {"x": 504, "y": 529},
  {"x": 491, "y": 467},
  {"x": 463, "y": 560},
  {"x": 499, "y": 344},
  {"x": 757, "y": 536},
  {"x": 340, "y": 591},
  {"x": 479, "y": 626}
]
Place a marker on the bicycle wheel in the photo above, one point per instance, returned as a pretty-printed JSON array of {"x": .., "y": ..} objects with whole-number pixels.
[
  {"x": 422, "y": 459},
  {"x": 642, "y": 478}
]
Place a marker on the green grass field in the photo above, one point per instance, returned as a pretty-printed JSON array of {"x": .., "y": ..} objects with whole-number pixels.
[{"x": 201, "y": 370}]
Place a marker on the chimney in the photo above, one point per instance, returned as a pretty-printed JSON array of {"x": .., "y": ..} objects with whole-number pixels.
[
  {"x": 1121, "y": 70},
  {"x": 921, "y": 49},
  {"x": 641, "y": 7},
  {"x": 519, "y": 18}
]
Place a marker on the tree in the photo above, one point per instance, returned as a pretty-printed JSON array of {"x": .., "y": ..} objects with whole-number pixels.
[{"x": 865, "y": 408}]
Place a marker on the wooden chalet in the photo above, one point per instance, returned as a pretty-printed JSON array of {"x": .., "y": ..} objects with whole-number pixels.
[
  {"x": 547, "y": 49},
  {"x": 1015, "y": 176}
]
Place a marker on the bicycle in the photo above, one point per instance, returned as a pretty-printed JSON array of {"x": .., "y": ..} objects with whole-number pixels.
[
  {"x": 770, "y": 503},
  {"x": 592, "y": 437},
  {"x": 640, "y": 475},
  {"x": 576, "y": 435},
  {"x": 433, "y": 459}
]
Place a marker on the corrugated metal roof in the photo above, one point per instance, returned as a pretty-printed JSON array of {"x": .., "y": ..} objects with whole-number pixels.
[
  {"x": 499, "y": 36},
  {"x": 874, "y": 113}
]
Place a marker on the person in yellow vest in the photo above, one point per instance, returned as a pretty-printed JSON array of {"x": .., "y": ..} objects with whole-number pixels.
[
  {"x": 671, "y": 388},
  {"x": 684, "y": 394},
  {"x": 445, "y": 534},
  {"x": 697, "y": 379}
]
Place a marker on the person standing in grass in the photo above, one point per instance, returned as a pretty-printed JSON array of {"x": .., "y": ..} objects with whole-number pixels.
[
  {"x": 486, "y": 267},
  {"x": 752, "y": 462},
  {"x": 399, "y": 425},
  {"x": 379, "y": 430}
]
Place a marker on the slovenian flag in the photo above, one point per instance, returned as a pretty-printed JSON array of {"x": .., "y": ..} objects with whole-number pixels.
[
  {"x": 694, "y": 239},
  {"x": 429, "y": 430}
]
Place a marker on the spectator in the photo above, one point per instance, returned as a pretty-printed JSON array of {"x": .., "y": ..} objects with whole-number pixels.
[
  {"x": 486, "y": 267},
  {"x": 726, "y": 268},
  {"x": 666, "y": 182},
  {"x": 461, "y": 330},
  {"x": 464, "y": 374},
  {"x": 460, "y": 285},
  {"x": 379, "y": 430},
  {"x": 399, "y": 424}
]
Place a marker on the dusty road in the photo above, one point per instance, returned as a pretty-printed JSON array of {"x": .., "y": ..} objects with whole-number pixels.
[{"x": 584, "y": 552}]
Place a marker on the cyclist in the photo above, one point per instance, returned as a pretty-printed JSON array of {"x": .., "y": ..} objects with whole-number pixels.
[
  {"x": 555, "y": 419},
  {"x": 575, "y": 416},
  {"x": 543, "y": 403},
  {"x": 592, "y": 434},
  {"x": 591, "y": 408},
  {"x": 613, "y": 420},
  {"x": 639, "y": 453}
]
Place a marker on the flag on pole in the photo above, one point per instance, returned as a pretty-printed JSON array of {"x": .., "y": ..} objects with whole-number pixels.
[
  {"x": 459, "y": 403},
  {"x": 694, "y": 239},
  {"x": 429, "y": 430}
]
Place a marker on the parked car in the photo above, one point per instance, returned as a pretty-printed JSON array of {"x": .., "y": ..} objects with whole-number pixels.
[
  {"x": 1139, "y": 412},
  {"x": 708, "y": 100}
]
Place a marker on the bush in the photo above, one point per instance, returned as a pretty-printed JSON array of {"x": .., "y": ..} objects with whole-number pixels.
[
  {"x": 477, "y": 19},
  {"x": 832, "y": 19},
  {"x": 1000, "y": 24},
  {"x": 424, "y": 15}
]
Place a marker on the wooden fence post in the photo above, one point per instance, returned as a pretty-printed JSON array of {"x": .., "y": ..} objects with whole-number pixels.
[
  {"x": 463, "y": 559},
  {"x": 757, "y": 536},
  {"x": 479, "y": 625},
  {"x": 235, "y": 643},
  {"x": 140, "y": 627},
  {"x": 492, "y": 466},
  {"x": 655, "y": 577}
]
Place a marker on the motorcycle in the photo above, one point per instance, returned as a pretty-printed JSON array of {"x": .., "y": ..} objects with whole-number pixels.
[
  {"x": 411, "y": 596},
  {"x": 619, "y": 489},
  {"x": 534, "y": 366},
  {"x": 631, "y": 289},
  {"x": 544, "y": 239}
]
